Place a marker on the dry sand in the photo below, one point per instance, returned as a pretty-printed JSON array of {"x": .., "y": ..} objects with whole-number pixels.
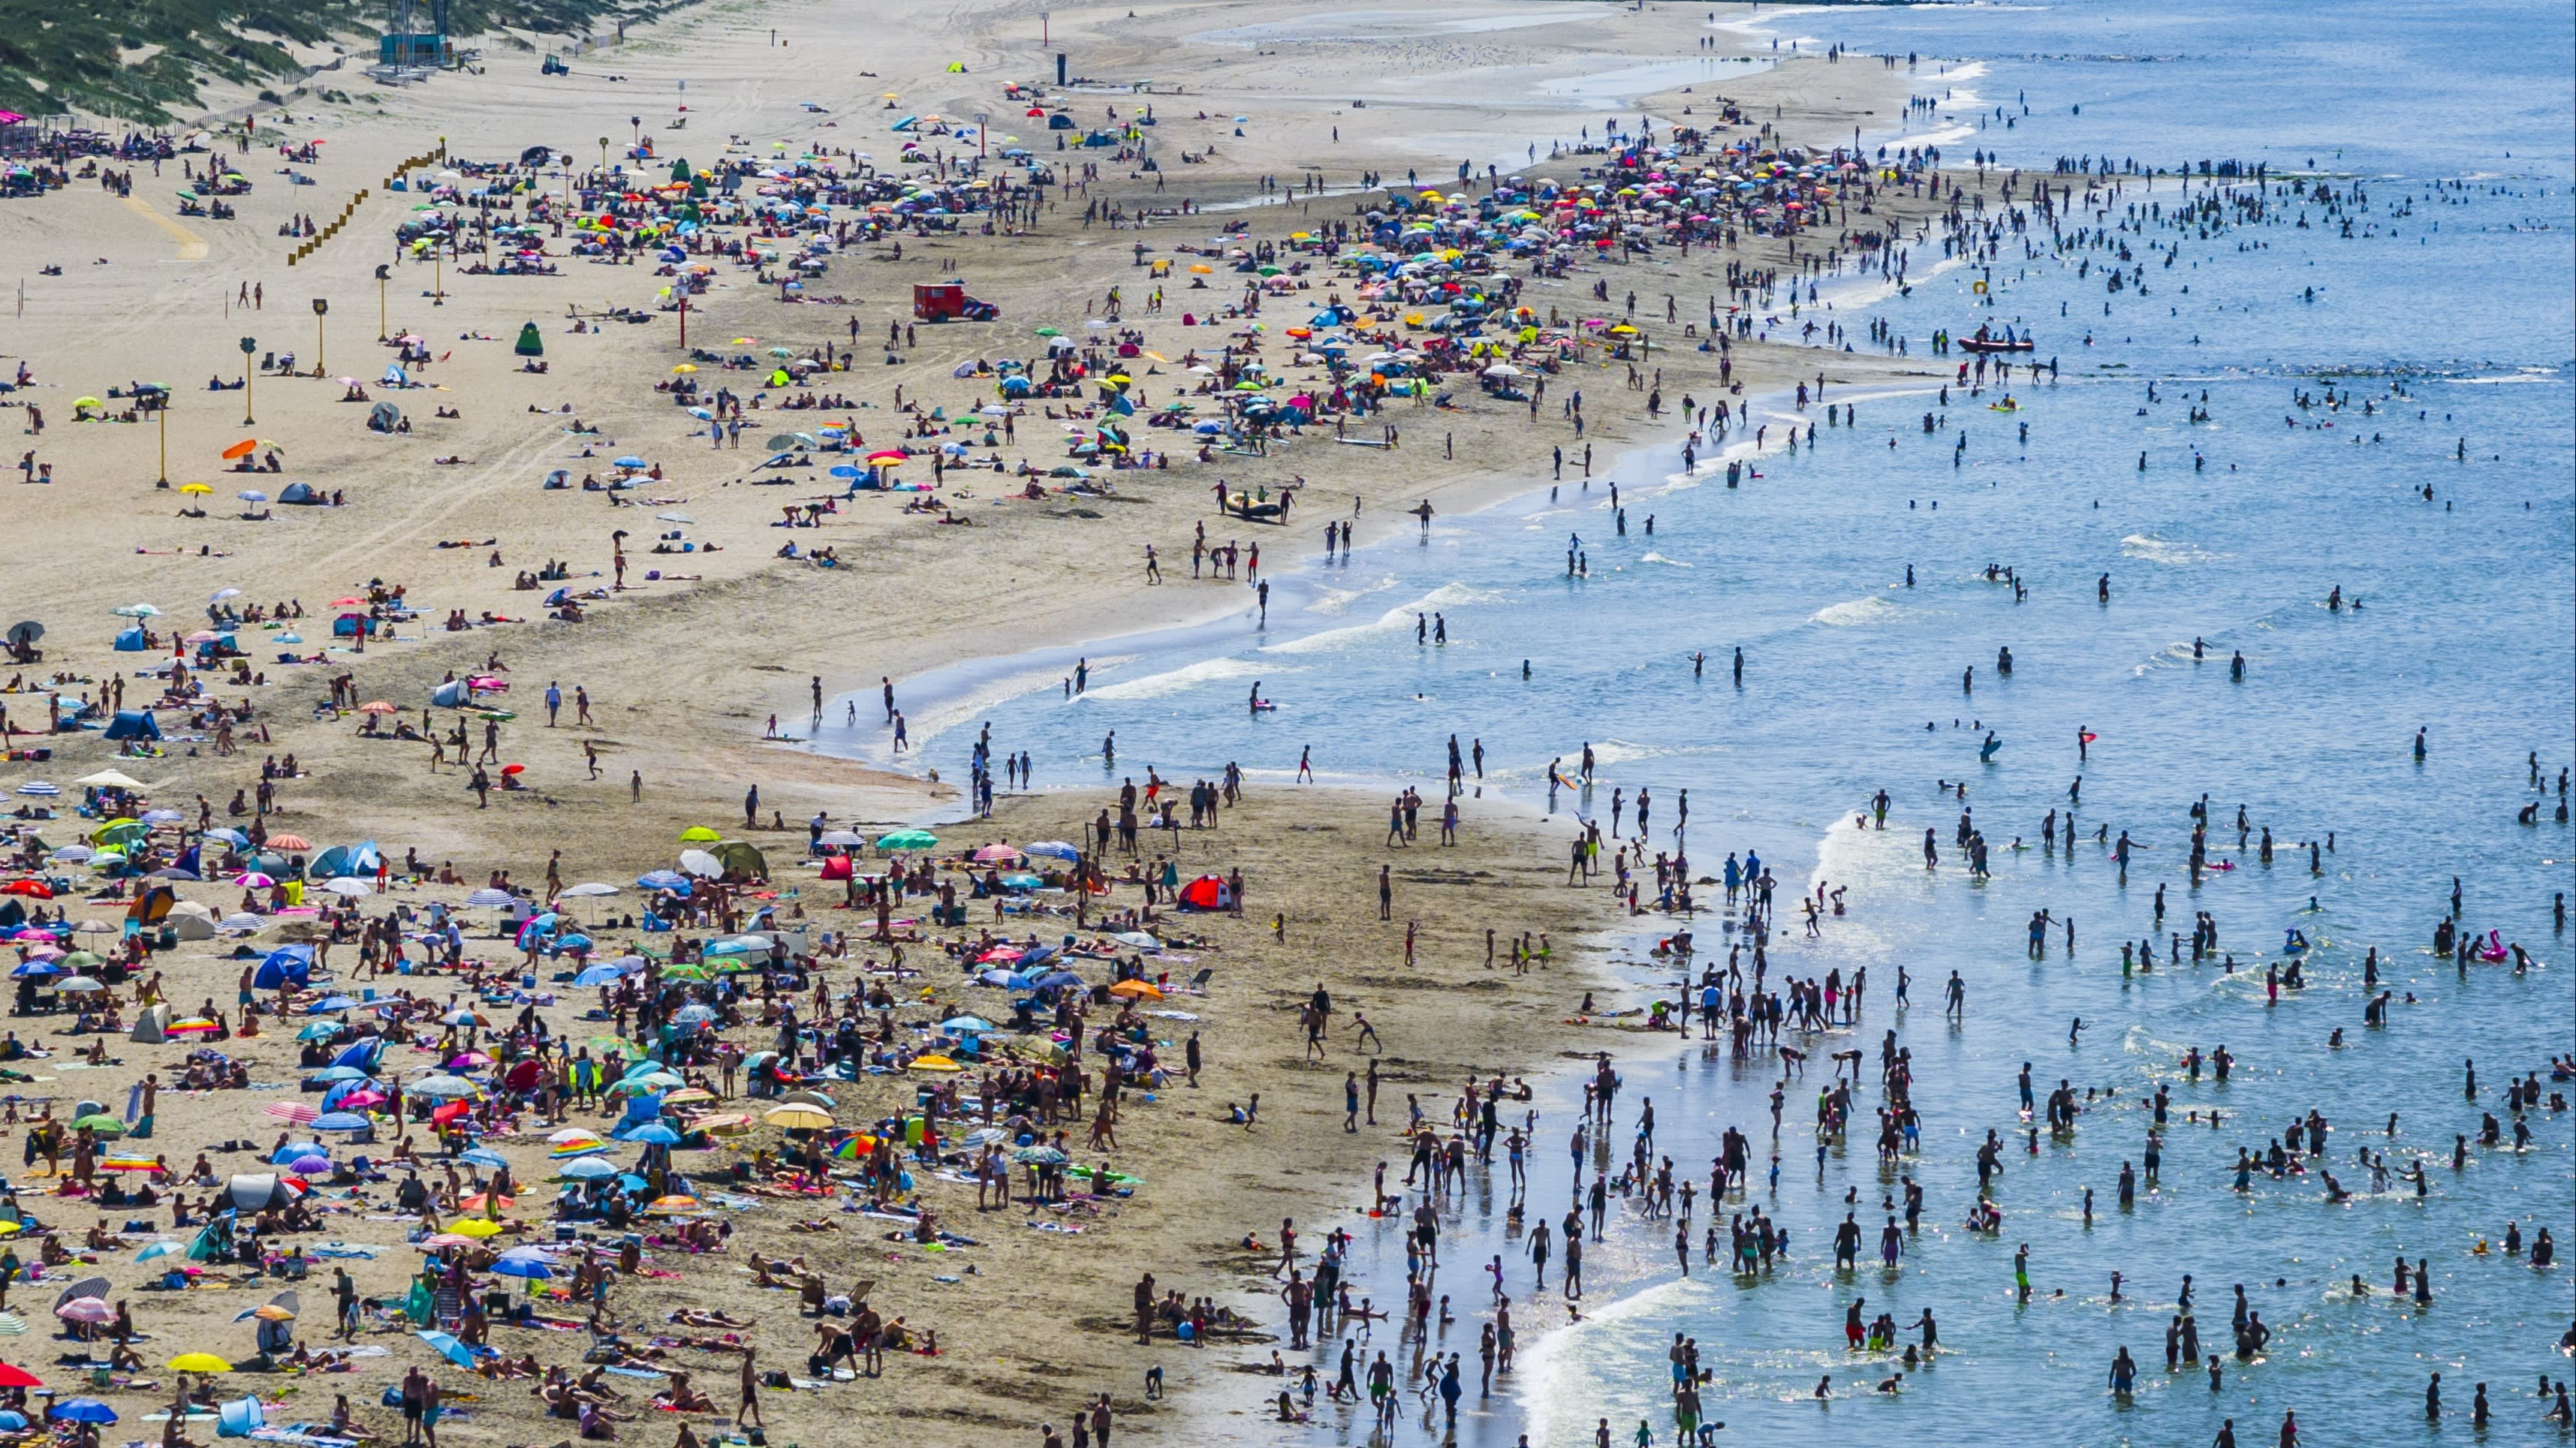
[
  {"x": 684, "y": 675},
  {"x": 1030, "y": 1323}
]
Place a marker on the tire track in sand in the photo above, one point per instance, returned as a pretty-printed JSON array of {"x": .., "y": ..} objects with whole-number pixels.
[
  {"x": 435, "y": 504},
  {"x": 192, "y": 247}
]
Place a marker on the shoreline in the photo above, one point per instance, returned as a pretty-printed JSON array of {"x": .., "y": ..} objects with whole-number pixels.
[
  {"x": 963, "y": 688},
  {"x": 680, "y": 683}
]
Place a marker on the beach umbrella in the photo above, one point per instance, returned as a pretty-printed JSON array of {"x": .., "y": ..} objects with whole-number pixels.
[
  {"x": 675, "y": 1205},
  {"x": 83, "y": 1410},
  {"x": 588, "y": 1168},
  {"x": 13, "y": 1376},
  {"x": 524, "y": 1262},
  {"x": 87, "y": 1310},
  {"x": 799, "y": 1117},
  {"x": 484, "y": 1156},
  {"x": 475, "y": 1227},
  {"x": 448, "y": 1347},
  {"x": 295, "y": 1111},
  {"x": 97, "y": 1287},
  {"x": 443, "y": 1085},
  {"x": 908, "y": 840},
  {"x": 199, "y": 1362},
  {"x": 654, "y": 1134},
  {"x": 158, "y": 1250}
]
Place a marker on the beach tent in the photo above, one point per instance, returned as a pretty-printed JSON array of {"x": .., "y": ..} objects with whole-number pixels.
[
  {"x": 1207, "y": 892},
  {"x": 288, "y": 964},
  {"x": 532, "y": 343},
  {"x": 342, "y": 861},
  {"x": 299, "y": 495},
  {"x": 240, "y": 1418},
  {"x": 132, "y": 641},
  {"x": 134, "y": 724},
  {"x": 152, "y": 1026},
  {"x": 361, "y": 1056},
  {"x": 253, "y": 1192},
  {"x": 152, "y": 904}
]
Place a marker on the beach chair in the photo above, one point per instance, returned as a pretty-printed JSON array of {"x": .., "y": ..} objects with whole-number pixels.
[{"x": 1199, "y": 983}]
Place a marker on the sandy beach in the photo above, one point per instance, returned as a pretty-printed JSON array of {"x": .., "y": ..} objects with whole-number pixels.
[{"x": 681, "y": 676}]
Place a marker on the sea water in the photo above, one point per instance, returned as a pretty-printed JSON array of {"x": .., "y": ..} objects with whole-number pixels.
[{"x": 2447, "y": 310}]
